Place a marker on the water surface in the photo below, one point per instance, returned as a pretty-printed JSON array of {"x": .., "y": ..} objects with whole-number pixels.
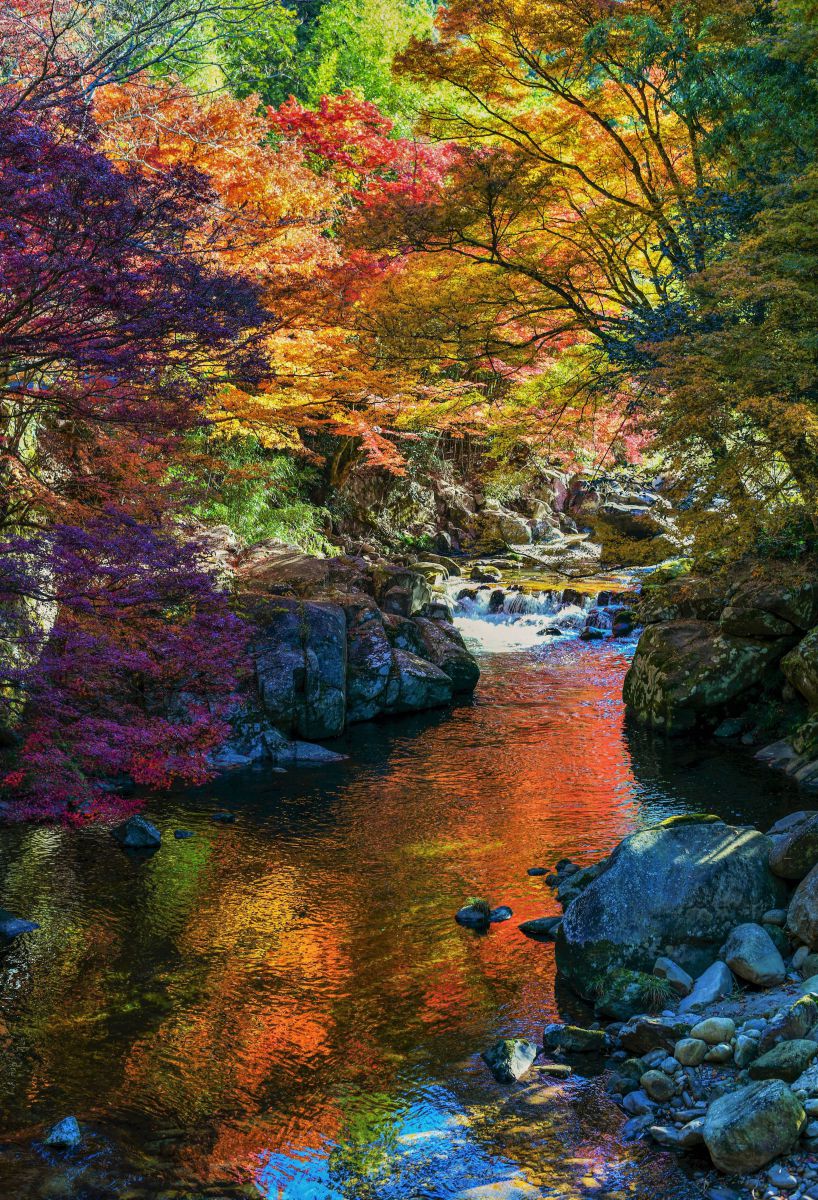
[{"x": 287, "y": 1000}]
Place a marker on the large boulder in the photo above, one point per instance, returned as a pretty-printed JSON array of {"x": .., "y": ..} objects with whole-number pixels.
[
  {"x": 795, "y": 845},
  {"x": 672, "y": 890},
  {"x": 751, "y": 954},
  {"x": 802, "y": 915},
  {"x": 687, "y": 672},
  {"x": 443, "y": 646},
  {"x": 685, "y": 598},
  {"x": 301, "y": 666},
  {"x": 746, "y": 1129},
  {"x": 496, "y": 528},
  {"x": 801, "y": 668},
  {"x": 369, "y": 666}
]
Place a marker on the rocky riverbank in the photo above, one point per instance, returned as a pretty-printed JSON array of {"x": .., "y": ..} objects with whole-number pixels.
[
  {"x": 697, "y": 944},
  {"x": 734, "y": 654},
  {"x": 337, "y": 641}
]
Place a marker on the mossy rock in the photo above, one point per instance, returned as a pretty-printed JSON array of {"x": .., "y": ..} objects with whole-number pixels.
[{"x": 687, "y": 819}]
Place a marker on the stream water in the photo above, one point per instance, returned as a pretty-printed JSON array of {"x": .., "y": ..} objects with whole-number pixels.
[{"x": 286, "y": 999}]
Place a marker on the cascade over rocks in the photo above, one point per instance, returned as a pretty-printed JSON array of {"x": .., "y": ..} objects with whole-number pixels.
[{"x": 673, "y": 890}]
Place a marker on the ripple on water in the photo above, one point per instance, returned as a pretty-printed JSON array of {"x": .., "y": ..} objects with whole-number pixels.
[{"x": 288, "y": 997}]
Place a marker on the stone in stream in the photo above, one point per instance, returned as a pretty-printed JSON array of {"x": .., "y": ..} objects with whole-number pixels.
[
  {"x": 787, "y": 1060},
  {"x": 509, "y": 1059},
  {"x": 746, "y": 1129},
  {"x": 573, "y": 1039},
  {"x": 751, "y": 954},
  {"x": 541, "y": 929},
  {"x": 12, "y": 927},
  {"x": 622, "y": 918},
  {"x": 182, "y": 834},
  {"x": 64, "y": 1135},
  {"x": 137, "y": 833},
  {"x": 502, "y": 913},
  {"x": 537, "y": 871},
  {"x": 474, "y": 915}
]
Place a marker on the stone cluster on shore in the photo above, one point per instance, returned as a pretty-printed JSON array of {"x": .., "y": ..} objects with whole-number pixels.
[{"x": 697, "y": 942}]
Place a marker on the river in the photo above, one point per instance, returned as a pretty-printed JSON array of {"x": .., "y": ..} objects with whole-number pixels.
[{"x": 286, "y": 999}]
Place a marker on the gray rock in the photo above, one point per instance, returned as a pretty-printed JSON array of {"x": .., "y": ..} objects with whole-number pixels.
[
  {"x": 573, "y": 1039},
  {"x": 776, "y": 916},
  {"x": 643, "y": 1034},
  {"x": 500, "y": 914},
  {"x": 541, "y": 929},
  {"x": 687, "y": 672},
  {"x": 713, "y": 984},
  {"x": 659, "y": 1087},
  {"x": 690, "y": 1052},
  {"x": 719, "y": 1054},
  {"x": 795, "y": 846},
  {"x": 508, "y": 1060},
  {"x": 137, "y": 833},
  {"x": 802, "y": 915},
  {"x": 790, "y": 1024},
  {"x": 474, "y": 916},
  {"x": 301, "y": 666},
  {"x": 746, "y": 1049},
  {"x": 800, "y": 667},
  {"x": 787, "y": 1060},
  {"x": 622, "y": 918},
  {"x": 12, "y": 927},
  {"x": 638, "y": 1103},
  {"x": 444, "y": 647},
  {"x": 746, "y": 1129},
  {"x": 679, "y": 980},
  {"x": 780, "y": 1177},
  {"x": 64, "y": 1135},
  {"x": 751, "y": 954},
  {"x": 807, "y": 1083},
  {"x": 714, "y": 1030}
]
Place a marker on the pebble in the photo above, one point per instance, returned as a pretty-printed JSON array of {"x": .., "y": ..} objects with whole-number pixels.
[
  {"x": 225, "y": 818},
  {"x": 780, "y": 1177},
  {"x": 537, "y": 871},
  {"x": 181, "y": 834}
]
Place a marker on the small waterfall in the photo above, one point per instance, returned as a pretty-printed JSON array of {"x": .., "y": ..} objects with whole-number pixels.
[{"x": 499, "y": 617}]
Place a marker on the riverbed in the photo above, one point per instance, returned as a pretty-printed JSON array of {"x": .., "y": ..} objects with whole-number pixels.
[{"x": 284, "y": 999}]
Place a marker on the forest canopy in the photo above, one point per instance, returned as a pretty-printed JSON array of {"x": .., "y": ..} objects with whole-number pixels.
[{"x": 243, "y": 244}]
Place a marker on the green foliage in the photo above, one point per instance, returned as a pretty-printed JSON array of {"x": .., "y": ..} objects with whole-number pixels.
[
  {"x": 263, "y": 494},
  {"x": 354, "y": 43}
]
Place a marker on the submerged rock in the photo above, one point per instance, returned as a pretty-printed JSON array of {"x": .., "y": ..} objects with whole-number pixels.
[
  {"x": 12, "y": 927},
  {"x": 475, "y": 915},
  {"x": 541, "y": 929},
  {"x": 746, "y": 1129},
  {"x": 508, "y": 1060},
  {"x": 622, "y": 919},
  {"x": 137, "y": 833}
]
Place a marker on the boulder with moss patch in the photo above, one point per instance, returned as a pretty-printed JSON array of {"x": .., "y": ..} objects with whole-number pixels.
[{"x": 623, "y": 919}]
